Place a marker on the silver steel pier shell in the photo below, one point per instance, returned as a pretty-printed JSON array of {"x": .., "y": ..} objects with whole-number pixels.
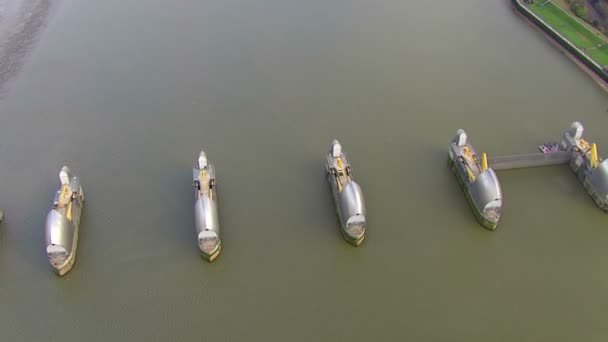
[
  {"x": 347, "y": 195},
  {"x": 62, "y": 223},
  {"x": 589, "y": 168},
  {"x": 205, "y": 208},
  {"x": 478, "y": 182}
]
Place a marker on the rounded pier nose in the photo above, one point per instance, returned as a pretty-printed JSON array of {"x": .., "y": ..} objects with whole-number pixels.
[
  {"x": 354, "y": 231},
  {"x": 491, "y": 214},
  {"x": 209, "y": 243},
  {"x": 490, "y": 219},
  {"x": 59, "y": 258}
]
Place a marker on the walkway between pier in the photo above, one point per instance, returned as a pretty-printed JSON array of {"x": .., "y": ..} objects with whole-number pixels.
[{"x": 529, "y": 160}]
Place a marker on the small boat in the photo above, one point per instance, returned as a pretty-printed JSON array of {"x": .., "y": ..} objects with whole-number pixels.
[
  {"x": 62, "y": 223},
  {"x": 589, "y": 168},
  {"x": 347, "y": 195},
  {"x": 477, "y": 180},
  {"x": 549, "y": 148},
  {"x": 205, "y": 208}
]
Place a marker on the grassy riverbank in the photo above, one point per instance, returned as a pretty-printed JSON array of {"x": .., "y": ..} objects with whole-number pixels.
[{"x": 594, "y": 44}]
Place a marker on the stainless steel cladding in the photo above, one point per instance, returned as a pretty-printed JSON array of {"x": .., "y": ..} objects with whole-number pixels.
[
  {"x": 598, "y": 181},
  {"x": 347, "y": 195},
  {"x": 62, "y": 223},
  {"x": 479, "y": 183},
  {"x": 205, "y": 208},
  {"x": 487, "y": 194}
]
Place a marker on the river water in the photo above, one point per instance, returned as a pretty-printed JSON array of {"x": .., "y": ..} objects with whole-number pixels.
[{"x": 127, "y": 94}]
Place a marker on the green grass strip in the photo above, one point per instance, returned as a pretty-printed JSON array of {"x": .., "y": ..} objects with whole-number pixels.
[{"x": 573, "y": 30}]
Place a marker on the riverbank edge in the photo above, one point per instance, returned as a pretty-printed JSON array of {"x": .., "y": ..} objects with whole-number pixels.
[{"x": 586, "y": 63}]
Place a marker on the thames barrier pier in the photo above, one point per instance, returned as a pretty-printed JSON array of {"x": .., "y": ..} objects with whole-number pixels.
[{"x": 481, "y": 186}]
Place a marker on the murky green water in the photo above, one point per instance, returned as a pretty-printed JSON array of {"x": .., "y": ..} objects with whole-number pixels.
[{"x": 127, "y": 94}]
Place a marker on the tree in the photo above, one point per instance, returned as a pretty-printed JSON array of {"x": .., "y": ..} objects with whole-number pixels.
[{"x": 579, "y": 9}]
